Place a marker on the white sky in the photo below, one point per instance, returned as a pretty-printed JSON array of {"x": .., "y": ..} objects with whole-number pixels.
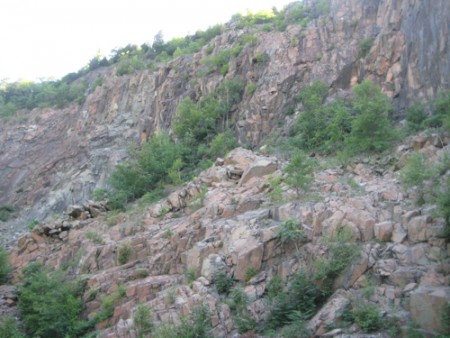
[{"x": 50, "y": 38}]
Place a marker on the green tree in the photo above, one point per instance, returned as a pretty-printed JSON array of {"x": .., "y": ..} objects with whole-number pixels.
[
  {"x": 49, "y": 304},
  {"x": 311, "y": 124},
  {"x": 141, "y": 320},
  {"x": 291, "y": 230},
  {"x": 9, "y": 328},
  {"x": 299, "y": 172},
  {"x": 371, "y": 128},
  {"x": 5, "y": 266}
]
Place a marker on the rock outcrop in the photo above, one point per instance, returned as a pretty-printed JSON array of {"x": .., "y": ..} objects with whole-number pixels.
[
  {"x": 402, "y": 262},
  {"x": 57, "y": 157}
]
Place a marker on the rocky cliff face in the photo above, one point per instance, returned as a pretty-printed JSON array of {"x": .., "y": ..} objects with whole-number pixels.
[
  {"x": 59, "y": 156},
  {"x": 178, "y": 247}
]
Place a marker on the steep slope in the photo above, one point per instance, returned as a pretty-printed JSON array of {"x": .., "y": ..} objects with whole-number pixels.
[
  {"x": 169, "y": 256},
  {"x": 59, "y": 156}
]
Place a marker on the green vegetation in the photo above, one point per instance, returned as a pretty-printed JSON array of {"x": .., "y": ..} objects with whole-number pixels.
[
  {"x": 100, "y": 194},
  {"x": 141, "y": 320},
  {"x": 430, "y": 184},
  {"x": 31, "y": 224},
  {"x": 274, "y": 287},
  {"x": 443, "y": 203},
  {"x": 6, "y": 211},
  {"x": 70, "y": 89},
  {"x": 196, "y": 326},
  {"x": 168, "y": 233},
  {"x": 9, "y": 328},
  {"x": 219, "y": 62},
  {"x": 95, "y": 237},
  {"x": 291, "y": 231},
  {"x": 342, "y": 250},
  {"x": 441, "y": 115},
  {"x": 191, "y": 275},
  {"x": 367, "y": 317},
  {"x": 29, "y": 95},
  {"x": 242, "y": 318},
  {"x": 109, "y": 303},
  {"x": 296, "y": 13},
  {"x": 364, "y": 47},
  {"x": 201, "y": 131},
  {"x": 359, "y": 125},
  {"x": 299, "y": 172},
  {"x": 415, "y": 173},
  {"x": 308, "y": 297},
  {"x": 124, "y": 254},
  {"x": 148, "y": 169},
  {"x": 5, "y": 267},
  {"x": 250, "y": 273},
  {"x": 415, "y": 117},
  {"x": 223, "y": 283},
  {"x": 275, "y": 192},
  {"x": 50, "y": 304},
  {"x": 308, "y": 291},
  {"x": 372, "y": 130}
]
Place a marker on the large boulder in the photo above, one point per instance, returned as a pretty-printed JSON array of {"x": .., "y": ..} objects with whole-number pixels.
[
  {"x": 261, "y": 167},
  {"x": 427, "y": 306}
]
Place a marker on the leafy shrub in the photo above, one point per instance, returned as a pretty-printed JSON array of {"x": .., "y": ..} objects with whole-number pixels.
[
  {"x": 124, "y": 254},
  {"x": 244, "y": 322},
  {"x": 242, "y": 318},
  {"x": 290, "y": 230},
  {"x": 275, "y": 192},
  {"x": 31, "y": 224},
  {"x": 338, "y": 128},
  {"x": 274, "y": 287},
  {"x": 445, "y": 319},
  {"x": 416, "y": 170},
  {"x": 441, "y": 114},
  {"x": 100, "y": 194},
  {"x": 9, "y": 328},
  {"x": 299, "y": 172},
  {"x": 341, "y": 252},
  {"x": 443, "y": 203},
  {"x": 49, "y": 304},
  {"x": 310, "y": 125},
  {"x": 371, "y": 128},
  {"x": 95, "y": 237},
  {"x": 415, "y": 173},
  {"x": 250, "y": 273},
  {"x": 250, "y": 89},
  {"x": 147, "y": 171},
  {"x": 297, "y": 328},
  {"x": 5, "y": 267},
  {"x": 260, "y": 58},
  {"x": 141, "y": 320},
  {"x": 415, "y": 117},
  {"x": 364, "y": 47},
  {"x": 129, "y": 64},
  {"x": 220, "y": 60},
  {"x": 237, "y": 300},
  {"x": 6, "y": 211},
  {"x": 190, "y": 274},
  {"x": 302, "y": 297},
  {"x": 197, "y": 123},
  {"x": 367, "y": 317},
  {"x": 221, "y": 144},
  {"x": 109, "y": 303},
  {"x": 168, "y": 233},
  {"x": 223, "y": 282},
  {"x": 196, "y": 326},
  {"x": 142, "y": 273}
]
